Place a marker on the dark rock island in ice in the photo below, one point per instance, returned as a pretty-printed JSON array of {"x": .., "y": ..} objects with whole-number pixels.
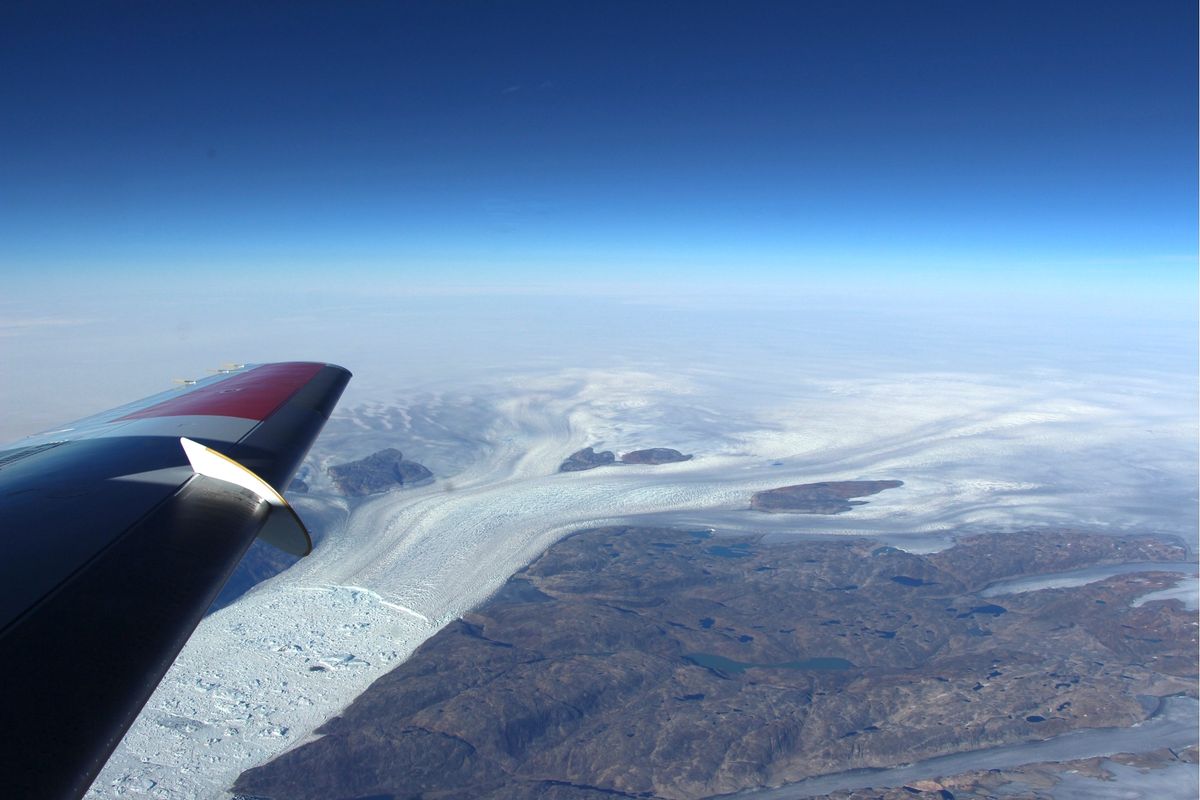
[
  {"x": 587, "y": 458},
  {"x": 818, "y": 498},
  {"x": 376, "y": 473},
  {"x": 654, "y": 455}
]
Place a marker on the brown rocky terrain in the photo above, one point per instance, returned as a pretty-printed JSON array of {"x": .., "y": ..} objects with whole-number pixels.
[
  {"x": 818, "y": 498},
  {"x": 635, "y": 662},
  {"x": 376, "y": 473}
]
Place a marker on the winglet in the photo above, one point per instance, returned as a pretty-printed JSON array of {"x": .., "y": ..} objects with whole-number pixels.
[{"x": 283, "y": 528}]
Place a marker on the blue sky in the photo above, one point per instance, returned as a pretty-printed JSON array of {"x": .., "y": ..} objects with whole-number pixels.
[{"x": 556, "y": 143}]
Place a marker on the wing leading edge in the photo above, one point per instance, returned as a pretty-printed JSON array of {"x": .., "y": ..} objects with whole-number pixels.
[{"x": 117, "y": 539}]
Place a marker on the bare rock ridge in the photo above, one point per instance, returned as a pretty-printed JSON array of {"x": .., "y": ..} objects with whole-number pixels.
[
  {"x": 377, "y": 473},
  {"x": 588, "y": 458},
  {"x": 818, "y": 498},
  {"x": 651, "y": 662}
]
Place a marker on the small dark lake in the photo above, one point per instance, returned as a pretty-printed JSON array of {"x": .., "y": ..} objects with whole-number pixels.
[
  {"x": 732, "y": 551},
  {"x": 905, "y": 580}
]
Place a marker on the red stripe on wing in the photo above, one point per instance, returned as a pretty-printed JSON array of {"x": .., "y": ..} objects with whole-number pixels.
[{"x": 254, "y": 394}]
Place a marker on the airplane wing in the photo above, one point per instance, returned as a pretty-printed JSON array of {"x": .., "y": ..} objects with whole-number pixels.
[{"x": 117, "y": 532}]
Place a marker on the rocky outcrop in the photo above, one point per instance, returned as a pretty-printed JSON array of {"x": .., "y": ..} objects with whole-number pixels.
[
  {"x": 587, "y": 458},
  {"x": 654, "y": 455},
  {"x": 818, "y": 498},
  {"x": 377, "y": 473}
]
